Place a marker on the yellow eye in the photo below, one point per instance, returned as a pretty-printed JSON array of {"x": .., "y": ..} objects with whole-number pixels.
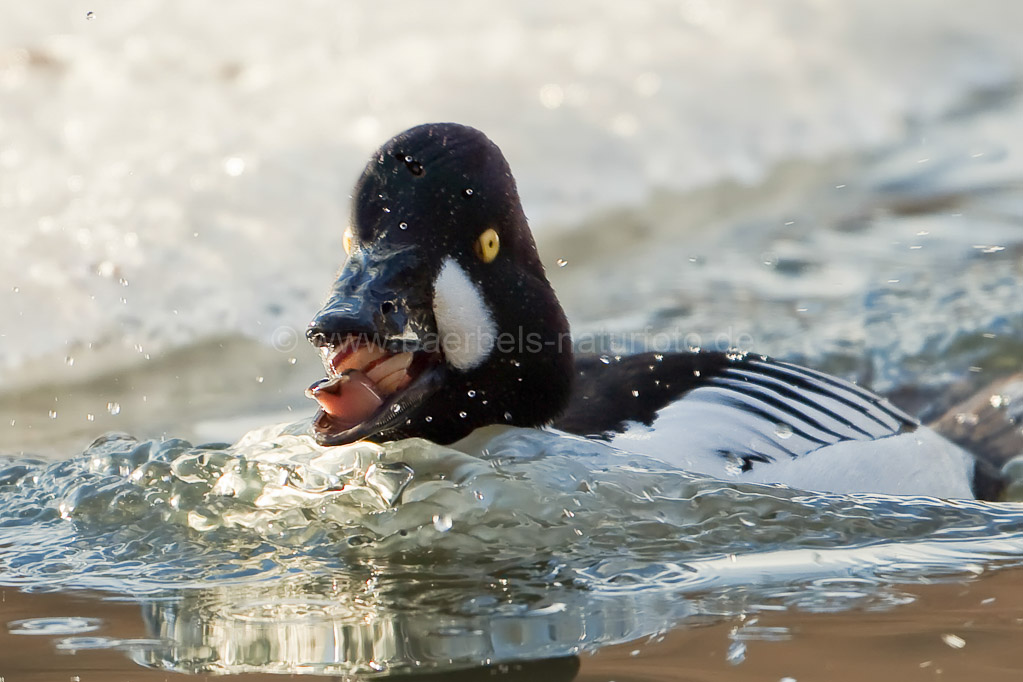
[
  {"x": 487, "y": 245},
  {"x": 348, "y": 240}
]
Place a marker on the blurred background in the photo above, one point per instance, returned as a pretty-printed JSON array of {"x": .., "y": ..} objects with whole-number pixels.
[{"x": 837, "y": 183}]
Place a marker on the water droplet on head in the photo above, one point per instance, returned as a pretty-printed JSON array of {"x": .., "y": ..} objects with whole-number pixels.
[
  {"x": 114, "y": 408},
  {"x": 471, "y": 393},
  {"x": 635, "y": 394},
  {"x": 90, "y": 417},
  {"x": 463, "y": 414},
  {"x": 605, "y": 359},
  {"x": 403, "y": 226},
  {"x": 562, "y": 262},
  {"x": 386, "y": 210},
  {"x": 396, "y": 408},
  {"x": 467, "y": 193},
  {"x": 70, "y": 361},
  {"x": 783, "y": 430},
  {"x": 442, "y": 522},
  {"x": 292, "y": 361},
  {"x": 507, "y": 416},
  {"x": 413, "y": 166},
  {"x": 259, "y": 380},
  {"x": 89, "y": 16},
  {"x": 428, "y": 419},
  {"x": 53, "y": 414},
  {"x": 16, "y": 289}
]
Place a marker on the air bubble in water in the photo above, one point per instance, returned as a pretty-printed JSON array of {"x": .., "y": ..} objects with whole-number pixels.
[
  {"x": 70, "y": 361},
  {"x": 783, "y": 431},
  {"x": 114, "y": 408},
  {"x": 53, "y": 414},
  {"x": 562, "y": 262},
  {"x": 442, "y": 522}
]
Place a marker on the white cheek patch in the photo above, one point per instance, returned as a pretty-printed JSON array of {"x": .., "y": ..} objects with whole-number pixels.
[{"x": 466, "y": 327}]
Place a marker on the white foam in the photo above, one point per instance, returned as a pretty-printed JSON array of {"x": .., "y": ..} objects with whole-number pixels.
[{"x": 164, "y": 145}]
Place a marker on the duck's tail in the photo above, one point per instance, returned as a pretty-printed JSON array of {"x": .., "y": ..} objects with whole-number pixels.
[{"x": 990, "y": 425}]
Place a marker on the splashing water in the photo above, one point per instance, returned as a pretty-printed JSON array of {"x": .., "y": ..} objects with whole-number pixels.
[
  {"x": 538, "y": 529},
  {"x": 276, "y": 496}
]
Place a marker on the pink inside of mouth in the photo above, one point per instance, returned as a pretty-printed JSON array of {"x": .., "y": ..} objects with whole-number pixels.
[
  {"x": 354, "y": 403},
  {"x": 360, "y": 377}
]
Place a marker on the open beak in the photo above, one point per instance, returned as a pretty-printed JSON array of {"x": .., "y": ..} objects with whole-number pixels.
[{"x": 375, "y": 337}]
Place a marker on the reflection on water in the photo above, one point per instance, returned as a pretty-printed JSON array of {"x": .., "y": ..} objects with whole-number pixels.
[
  {"x": 340, "y": 626},
  {"x": 278, "y": 555}
]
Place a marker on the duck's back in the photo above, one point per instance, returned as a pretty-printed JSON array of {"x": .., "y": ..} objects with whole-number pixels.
[{"x": 746, "y": 417}]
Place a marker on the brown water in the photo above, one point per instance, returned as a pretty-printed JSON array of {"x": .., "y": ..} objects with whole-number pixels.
[
  {"x": 913, "y": 642},
  {"x": 965, "y": 630}
]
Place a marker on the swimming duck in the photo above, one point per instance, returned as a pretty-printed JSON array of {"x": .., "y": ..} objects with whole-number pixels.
[{"x": 442, "y": 320}]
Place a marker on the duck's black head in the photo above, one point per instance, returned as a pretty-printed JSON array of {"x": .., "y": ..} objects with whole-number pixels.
[{"x": 442, "y": 319}]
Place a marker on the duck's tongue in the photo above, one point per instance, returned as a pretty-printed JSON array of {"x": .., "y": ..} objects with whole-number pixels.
[
  {"x": 360, "y": 377},
  {"x": 350, "y": 398}
]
